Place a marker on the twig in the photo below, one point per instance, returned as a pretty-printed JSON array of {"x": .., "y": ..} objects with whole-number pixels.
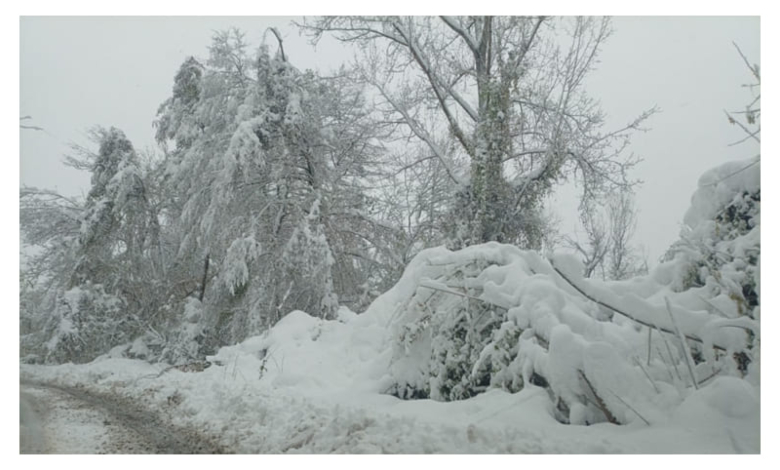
[
  {"x": 671, "y": 357},
  {"x": 652, "y": 382},
  {"x": 686, "y": 350},
  {"x": 714, "y": 373},
  {"x": 461, "y": 294},
  {"x": 753, "y": 68},
  {"x": 758, "y": 160},
  {"x": 742, "y": 126},
  {"x": 630, "y": 407},
  {"x": 749, "y": 136},
  {"x": 746, "y": 328},
  {"x": 671, "y": 377},
  {"x": 649, "y": 344},
  {"x": 599, "y": 402}
]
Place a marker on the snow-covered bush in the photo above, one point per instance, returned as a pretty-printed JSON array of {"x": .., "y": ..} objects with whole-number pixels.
[
  {"x": 86, "y": 322},
  {"x": 720, "y": 246},
  {"x": 494, "y": 316},
  {"x": 452, "y": 329},
  {"x": 718, "y": 256}
]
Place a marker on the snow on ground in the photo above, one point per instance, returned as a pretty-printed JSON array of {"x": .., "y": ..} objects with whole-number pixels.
[
  {"x": 313, "y": 386},
  {"x": 54, "y": 423},
  {"x": 32, "y": 437},
  {"x": 70, "y": 420}
]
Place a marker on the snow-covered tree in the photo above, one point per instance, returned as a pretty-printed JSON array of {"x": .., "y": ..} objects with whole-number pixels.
[
  {"x": 50, "y": 228},
  {"x": 269, "y": 188},
  {"x": 624, "y": 260},
  {"x": 95, "y": 261},
  {"x": 508, "y": 97},
  {"x": 115, "y": 219},
  {"x": 471, "y": 322},
  {"x": 177, "y": 114}
]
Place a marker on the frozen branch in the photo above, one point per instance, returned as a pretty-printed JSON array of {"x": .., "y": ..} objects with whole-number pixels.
[{"x": 626, "y": 314}]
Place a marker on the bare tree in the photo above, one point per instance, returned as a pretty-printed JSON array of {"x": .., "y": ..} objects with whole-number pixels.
[
  {"x": 499, "y": 92},
  {"x": 607, "y": 250},
  {"x": 623, "y": 261},
  {"x": 595, "y": 248}
]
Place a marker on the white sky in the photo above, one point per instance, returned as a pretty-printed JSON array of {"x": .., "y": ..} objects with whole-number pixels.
[{"x": 77, "y": 72}]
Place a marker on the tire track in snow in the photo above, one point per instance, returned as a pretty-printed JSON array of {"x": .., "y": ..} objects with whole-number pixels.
[{"x": 60, "y": 419}]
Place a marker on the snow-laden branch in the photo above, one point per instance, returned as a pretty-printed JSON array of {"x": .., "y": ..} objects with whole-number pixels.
[{"x": 650, "y": 317}]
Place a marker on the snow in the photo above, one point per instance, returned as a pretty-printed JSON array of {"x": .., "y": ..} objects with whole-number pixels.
[
  {"x": 241, "y": 251},
  {"x": 310, "y": 385},
  {"x": 605, "y": 351},
  {"x": 65, "y": 430},
  {"x": 719, "y": 185},
  {"x": 284, "y": 411}
]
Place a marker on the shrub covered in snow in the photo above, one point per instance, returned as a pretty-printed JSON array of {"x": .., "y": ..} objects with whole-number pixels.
[
  {"x": 86, "y": 322},
  {"x": 721, "y": 246},
  {"x": 718, "y": 256},
  {"x": 493, "y": 316}
]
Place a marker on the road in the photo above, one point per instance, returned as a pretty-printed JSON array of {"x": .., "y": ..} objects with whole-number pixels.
[{"x": 66, "y": 420}]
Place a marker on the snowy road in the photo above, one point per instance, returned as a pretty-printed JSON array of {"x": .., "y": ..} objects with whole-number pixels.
[{"x": 65, "y": 420}]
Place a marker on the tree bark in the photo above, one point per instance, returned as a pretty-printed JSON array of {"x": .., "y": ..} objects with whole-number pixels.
[{"x": 205, "y": 278}]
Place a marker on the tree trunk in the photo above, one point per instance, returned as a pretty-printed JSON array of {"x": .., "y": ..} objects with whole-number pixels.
[
  {"x": 205, "y": 278},
  {"x": 487, "y": 176}
]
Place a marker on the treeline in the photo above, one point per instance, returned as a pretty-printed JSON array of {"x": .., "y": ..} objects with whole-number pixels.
[{"x": 280, "y": 190}]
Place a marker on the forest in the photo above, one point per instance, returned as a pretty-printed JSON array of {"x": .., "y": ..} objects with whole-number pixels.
[{"x": 401, "y": 201}]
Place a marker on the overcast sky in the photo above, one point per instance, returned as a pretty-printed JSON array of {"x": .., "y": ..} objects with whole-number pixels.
[{"x": 115, "y": 71}]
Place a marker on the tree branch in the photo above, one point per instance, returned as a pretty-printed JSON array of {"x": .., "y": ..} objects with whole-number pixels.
[
  {"x": 599, "y": 401},
  {"x": 449, "y": 21},
  {"x": 279, "y": 38},
  {"x": 417, "y": 130},
  {"x": 627, "y": 315},
  {"x": 434, "y": 81}
]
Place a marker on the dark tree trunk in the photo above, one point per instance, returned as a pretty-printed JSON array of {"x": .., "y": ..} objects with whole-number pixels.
[{"x": 205, "y": 278}]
